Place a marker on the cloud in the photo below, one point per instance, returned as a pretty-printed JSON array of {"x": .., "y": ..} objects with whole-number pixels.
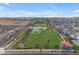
[
  {"x": 76, "y": 11},
  {"x": 8, "y": 4},
  {"x": 6, "y": 12},
  {"x": 21, "y": 13}
]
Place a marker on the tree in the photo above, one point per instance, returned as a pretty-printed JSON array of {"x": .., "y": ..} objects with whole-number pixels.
[
  {"x": 37, "y": 46},
  {"x": 48, "y": 41}
]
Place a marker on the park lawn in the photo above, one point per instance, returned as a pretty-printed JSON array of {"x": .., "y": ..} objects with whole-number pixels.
[
  {"x": 40, "y": 25},
  {"x": 46, "y": 39}
]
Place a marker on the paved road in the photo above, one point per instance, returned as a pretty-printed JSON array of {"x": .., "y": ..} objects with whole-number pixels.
[
  {"x": 40, "y": 53},
  {"x": 10, "y": 35},
  {"x": 5, "y": 38}
]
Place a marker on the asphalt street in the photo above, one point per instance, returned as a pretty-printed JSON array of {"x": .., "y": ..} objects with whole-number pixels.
[
  {"x": 41, "y": 53},
  {"x": 10, "y": 35}
]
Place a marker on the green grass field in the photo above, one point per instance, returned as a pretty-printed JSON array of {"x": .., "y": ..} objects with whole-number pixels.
[{"x": 47, "y": 38}]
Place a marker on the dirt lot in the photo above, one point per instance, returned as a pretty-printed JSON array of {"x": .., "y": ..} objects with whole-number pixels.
[{"x": 13, "y": 22}]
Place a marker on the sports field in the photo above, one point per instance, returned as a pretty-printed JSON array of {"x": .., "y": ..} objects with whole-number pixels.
[{"x": 42, "y": 36}]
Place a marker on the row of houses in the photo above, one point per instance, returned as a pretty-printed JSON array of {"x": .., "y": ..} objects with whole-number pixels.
[{"x": 65, "y": 25}]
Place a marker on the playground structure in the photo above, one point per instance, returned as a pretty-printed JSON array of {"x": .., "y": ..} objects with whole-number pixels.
[{"x": 66, "y": 44}]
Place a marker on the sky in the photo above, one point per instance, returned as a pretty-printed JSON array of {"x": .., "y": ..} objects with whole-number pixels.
[{"x": 38, "y": 9}]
